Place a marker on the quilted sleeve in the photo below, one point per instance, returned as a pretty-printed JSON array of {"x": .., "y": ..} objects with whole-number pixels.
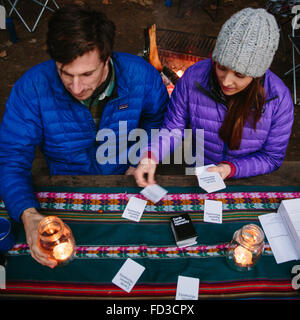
[
  {"x": 155, "y": 101},
  {"x": 20, "y": 133},
  {"x": 174, "y": 123},
  {"x": 271, "y": 155}
]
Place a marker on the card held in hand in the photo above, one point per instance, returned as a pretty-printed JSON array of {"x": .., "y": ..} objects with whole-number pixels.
[{"x": 184, "y": 232}]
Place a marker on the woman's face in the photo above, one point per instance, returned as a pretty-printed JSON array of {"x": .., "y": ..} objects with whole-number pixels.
[{"x": 231, "y": 82}]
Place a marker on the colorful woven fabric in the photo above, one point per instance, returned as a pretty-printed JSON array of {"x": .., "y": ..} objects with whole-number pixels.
[
  {"x": 82, "y": 205},
  {"x": 100, "y": 252},
  {"x": 105, "y": 240}
]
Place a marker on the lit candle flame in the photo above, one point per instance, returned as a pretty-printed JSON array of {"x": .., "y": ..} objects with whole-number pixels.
[
  {"x": 50, "y": 230},
  {"x": 242, "y": 256},
  {"x": 63, "y": 251}
]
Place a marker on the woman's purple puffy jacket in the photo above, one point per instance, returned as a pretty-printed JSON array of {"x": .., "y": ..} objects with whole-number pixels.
[{"x": 262, "y": 150}]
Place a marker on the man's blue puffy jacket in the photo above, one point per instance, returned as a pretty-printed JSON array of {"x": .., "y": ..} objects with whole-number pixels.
[{"x": 40, "y": 112}]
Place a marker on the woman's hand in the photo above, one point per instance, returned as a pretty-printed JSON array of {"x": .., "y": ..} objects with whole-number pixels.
[
  {"x": 31, "y": 219},
  {"x": 146, "y": 166},
  {"x": 223, "y": 169}
]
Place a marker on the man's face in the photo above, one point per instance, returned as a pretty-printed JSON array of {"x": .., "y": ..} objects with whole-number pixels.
[{"x": 83, "y": 75}]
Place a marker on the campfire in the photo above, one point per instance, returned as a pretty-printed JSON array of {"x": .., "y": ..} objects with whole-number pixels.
[{"x": 172, "y": 52}]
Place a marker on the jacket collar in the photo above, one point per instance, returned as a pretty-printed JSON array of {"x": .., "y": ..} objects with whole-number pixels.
[
  {"x": 214, "y": 91},
  {"x": 121, "y": 78}
]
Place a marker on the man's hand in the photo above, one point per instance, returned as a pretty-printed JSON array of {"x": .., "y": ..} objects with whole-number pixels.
[
  {"x": 146, "y": 166},
  {"x": 223, "y": 169},
  {"x": 31, "y": 219},
  {"x": 130, "y": 171}
]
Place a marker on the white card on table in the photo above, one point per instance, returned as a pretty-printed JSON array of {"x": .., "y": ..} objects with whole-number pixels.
[
  {"x": 2, "y": 278},
  {"x": 209, "y": 181},
  {"x": 278, "y": 237},
  {"x": 134, "y": 209},
  {"x": 2, "y": 18},
  {"x": 128, "y": 275},
  {"x": 187, "y": 288},
  {"x": 213, "y": 211},
  {"x": 154, "y": 192}
]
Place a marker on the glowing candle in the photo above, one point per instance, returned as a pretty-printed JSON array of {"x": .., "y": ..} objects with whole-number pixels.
[
  {"x": 63, "y": 251},
  {"x": 50, "y": 230},
  {"x": 245, "y": 248},
  {"x": 56, "y": 239},
  {"x": 242, "y": 256}
]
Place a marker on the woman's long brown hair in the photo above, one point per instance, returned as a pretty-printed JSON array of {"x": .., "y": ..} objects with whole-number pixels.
[{"x": 245, "y": 105}]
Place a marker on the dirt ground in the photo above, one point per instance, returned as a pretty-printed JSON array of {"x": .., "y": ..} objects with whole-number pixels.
[{"x": 131, "y": 19}]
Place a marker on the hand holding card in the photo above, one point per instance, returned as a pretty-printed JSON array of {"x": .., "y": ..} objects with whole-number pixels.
[{"x": 209, "y": 181}]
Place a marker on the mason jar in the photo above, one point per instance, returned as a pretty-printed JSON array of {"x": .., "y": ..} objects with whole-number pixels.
[
  {"x": 56, "y": 239},
  {"x": 246, "y": 247}
]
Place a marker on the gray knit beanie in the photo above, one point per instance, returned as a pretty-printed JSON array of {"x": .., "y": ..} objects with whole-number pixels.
[{"x": 247, "y": 42}]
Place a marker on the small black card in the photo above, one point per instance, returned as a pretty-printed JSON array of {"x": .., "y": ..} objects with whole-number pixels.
[{"x": 184, "y": 232}]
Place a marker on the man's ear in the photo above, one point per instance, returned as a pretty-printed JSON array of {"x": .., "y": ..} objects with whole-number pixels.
[{"x": 107, "y": 61}]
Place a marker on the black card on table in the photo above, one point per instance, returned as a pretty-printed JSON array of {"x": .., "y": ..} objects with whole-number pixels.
[{"x": 183, "y": 229}]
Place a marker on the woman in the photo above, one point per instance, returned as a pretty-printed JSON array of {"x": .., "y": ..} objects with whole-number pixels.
[{"x": 246, "y": 111}]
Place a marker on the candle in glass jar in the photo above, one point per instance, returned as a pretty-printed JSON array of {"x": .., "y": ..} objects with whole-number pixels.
[
  {"x": 50, "y": 230},
  {"x": 251, "y": 236},
  {"x": 63, "y": 251},
  {"x": 242, "y": 256}
]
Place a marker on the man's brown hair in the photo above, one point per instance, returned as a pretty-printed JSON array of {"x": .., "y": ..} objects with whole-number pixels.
[{"x": 77, "y": 29}]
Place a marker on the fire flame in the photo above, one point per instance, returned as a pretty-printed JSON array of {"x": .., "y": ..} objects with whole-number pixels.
[{"x": 179, "y": 73}]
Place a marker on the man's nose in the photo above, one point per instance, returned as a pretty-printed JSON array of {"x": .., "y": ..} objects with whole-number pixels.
[{"x": 76, "y": 85}]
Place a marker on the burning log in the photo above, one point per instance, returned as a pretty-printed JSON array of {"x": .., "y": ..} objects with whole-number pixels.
[
  {"x": 170, "y": 74},
  {"x": 172, "y": 52},
  {"x": 153, "y": 54},
  {"x": 169, "y": 77}
]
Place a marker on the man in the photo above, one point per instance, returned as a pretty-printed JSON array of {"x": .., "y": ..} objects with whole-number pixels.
[{"x": 59, "y": 106}]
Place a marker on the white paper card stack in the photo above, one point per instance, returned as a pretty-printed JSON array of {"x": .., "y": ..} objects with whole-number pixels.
[
  {"x": 282, "y": 230},
  {"x": 290, "y": 213},
  {"x": 278, "y": 237}
]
